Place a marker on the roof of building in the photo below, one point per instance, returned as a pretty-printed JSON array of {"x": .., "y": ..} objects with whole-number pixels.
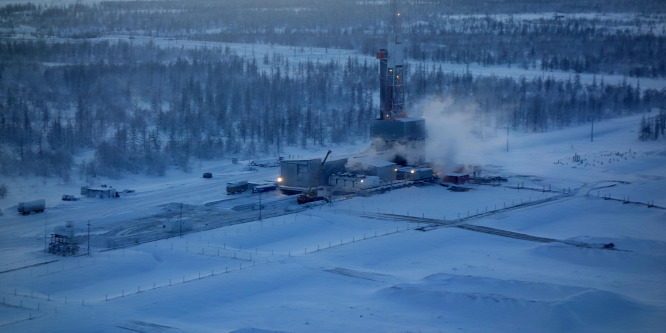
[
  {"x": 457, "y": 174},
  {"x": 374, "y": 162},
  {"x": 409, "y": 119}
]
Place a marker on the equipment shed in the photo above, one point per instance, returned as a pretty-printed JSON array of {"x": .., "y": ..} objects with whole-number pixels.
[
  {"x": 457, "y": 178},
  {"x": 299, "y": 173}
]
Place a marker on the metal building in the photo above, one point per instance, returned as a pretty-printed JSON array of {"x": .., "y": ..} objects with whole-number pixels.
[
  {"x": 370, "y": 166},
  {"x": 348, "y": 182},
  {"x": 414, "y": 174},
  {"x": 297, "y": 175},
  {"x": 100, "y": 192},
  {"x": 457, "y": 178}
]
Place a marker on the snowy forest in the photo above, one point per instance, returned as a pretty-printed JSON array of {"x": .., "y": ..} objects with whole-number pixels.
[{"x": 121, "y": 86}]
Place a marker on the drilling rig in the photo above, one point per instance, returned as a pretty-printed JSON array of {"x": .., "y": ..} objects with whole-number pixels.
[
  {"x": 395, "y": 136},
  {"x": 391, "y": 71}
]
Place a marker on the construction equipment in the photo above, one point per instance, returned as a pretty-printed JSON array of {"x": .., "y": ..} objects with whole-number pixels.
[
  {"x": 62, "y": 245},
  {"x": 310, "y": 194}
]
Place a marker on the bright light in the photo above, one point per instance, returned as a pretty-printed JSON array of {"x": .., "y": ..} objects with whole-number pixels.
[
  {"x": 361, "y": 180},
  {"x": 412, "y": 171},
  {"x": 396, "y": 169},
  {"x": 398, "y": 14},
  {"x": 279, "y": 179}
]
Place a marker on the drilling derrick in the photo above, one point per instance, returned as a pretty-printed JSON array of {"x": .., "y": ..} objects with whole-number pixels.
[
  {"x": 391, "y": 61},
  {"x": 396, "y": 137}
]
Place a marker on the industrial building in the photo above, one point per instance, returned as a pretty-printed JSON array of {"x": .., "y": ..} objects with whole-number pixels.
[
  {"x": 414, "y": 174},
  {"x": 349, "y": 182},
  {"x": 400, "y": 140},
  {"x": 364, "y": 165},
  {"x": 101, "y": 192},
  {"x": 298, "y": 175},
  {"x": 457, "y": 178}
]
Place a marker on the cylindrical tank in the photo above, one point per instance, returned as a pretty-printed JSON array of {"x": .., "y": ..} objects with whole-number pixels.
[{"x": 36, "y": 206}]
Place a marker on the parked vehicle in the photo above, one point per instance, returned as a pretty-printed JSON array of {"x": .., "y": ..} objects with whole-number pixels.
[
  {"x": 237, "y": 187},
  {"x": 264, "y": 188},
  {"x": 36, "y": 206},
  {"x": 69, "y": 197},
  {"x": 207, "y": 175}
]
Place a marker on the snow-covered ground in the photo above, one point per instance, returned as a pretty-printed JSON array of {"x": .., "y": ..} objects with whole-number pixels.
[{"x": 419, "y": 258}]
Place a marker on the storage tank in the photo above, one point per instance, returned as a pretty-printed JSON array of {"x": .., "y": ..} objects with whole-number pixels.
[{"x": 36, "y": 206}]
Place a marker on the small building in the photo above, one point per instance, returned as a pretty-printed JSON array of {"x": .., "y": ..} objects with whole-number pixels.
[
  {"x": 101, "y": 192},
  {"x": 414, "y": 174},
  {"x": 349, "y": 182},
  {"x": 297, "y": 175},
  {"x": 456, "y": 178},
  {"x": 370, "y": 166}
]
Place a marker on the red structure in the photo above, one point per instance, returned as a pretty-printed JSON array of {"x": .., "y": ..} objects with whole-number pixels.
[{"x": 457, "y": 178}]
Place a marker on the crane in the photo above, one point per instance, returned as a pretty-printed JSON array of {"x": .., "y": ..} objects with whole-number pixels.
[{"x": 310, "y": 194}]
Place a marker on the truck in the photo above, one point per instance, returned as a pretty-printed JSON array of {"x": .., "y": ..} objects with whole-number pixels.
[
  {"x": 264, "y": 188},
  {"x": 37, "y": 206},
  {"x": 237, "y": 187}
]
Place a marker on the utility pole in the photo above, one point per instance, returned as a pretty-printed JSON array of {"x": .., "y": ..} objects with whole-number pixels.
[
  {"x": 45, "y": 234},
  {"x": 259, "y": 206},
  {"x": 180, "y": 221},
  {"x": 88, "y": 238},
  {"x": 507, "y": 138}
]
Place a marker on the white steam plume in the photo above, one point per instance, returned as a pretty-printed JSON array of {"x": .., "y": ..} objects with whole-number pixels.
[{"x": 456, "y": 134}]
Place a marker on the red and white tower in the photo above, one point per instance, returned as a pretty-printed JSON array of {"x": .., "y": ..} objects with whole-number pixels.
[
  {"x": 396, "y": 137},
  {"x": 391, "y": 72}
]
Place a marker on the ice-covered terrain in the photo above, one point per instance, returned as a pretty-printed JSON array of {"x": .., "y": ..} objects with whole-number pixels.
[{"x": 524, "y": 256}]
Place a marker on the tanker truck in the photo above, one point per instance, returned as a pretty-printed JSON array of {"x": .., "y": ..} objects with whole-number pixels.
[{"x": 36, "y": 206}]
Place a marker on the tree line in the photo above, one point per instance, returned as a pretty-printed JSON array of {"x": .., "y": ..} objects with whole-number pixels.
[
  {"x": 141, "y": 107},
  {"x": 652, "y": 127},
  {"x": 141, "y": 114},
  {"x": 630, "y": 44},
  {"x": 536, "y": 105}
]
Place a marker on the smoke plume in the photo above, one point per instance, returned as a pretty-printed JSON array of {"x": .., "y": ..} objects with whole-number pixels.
[{"x": 456, "y": 134}]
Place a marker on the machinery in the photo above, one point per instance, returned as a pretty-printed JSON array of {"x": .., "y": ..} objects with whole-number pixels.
[
  {"x": 396, "y": 137},
  {"x": 62, "y": 245},
  {"x": 310, "y": 194}
]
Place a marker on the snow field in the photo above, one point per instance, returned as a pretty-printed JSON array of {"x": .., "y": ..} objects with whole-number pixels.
[{"x": 361, "y": 265}]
